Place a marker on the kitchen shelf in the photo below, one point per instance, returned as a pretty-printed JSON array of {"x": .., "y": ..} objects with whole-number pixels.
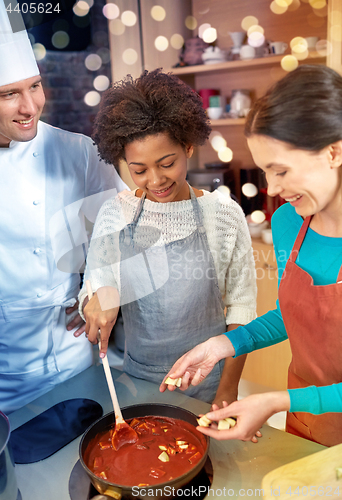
[
  {"x": 227, "y": 121},
  {"x": 235, "y": 65}
]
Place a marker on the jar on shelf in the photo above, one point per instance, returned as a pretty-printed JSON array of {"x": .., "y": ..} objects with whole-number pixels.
[{"x": 240, "y": 103}]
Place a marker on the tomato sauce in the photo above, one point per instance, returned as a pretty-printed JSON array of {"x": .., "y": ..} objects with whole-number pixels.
[{"x": 166, "y": 449}]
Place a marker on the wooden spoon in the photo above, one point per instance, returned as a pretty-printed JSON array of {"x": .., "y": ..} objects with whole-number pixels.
[{"x": 123, "y": 433}]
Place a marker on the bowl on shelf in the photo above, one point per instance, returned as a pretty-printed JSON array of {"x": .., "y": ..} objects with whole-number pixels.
[
  {"x": 213, "y": 55},
  {"x": 266, "y": 236},
  {"x": 215, "y": 113},
  {"x": 256, "y": 228}
]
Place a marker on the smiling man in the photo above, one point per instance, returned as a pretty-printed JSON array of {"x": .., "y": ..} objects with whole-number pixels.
[{"x": 47, "y": 175}]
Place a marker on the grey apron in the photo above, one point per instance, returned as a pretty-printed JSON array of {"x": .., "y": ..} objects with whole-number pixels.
[{"x": 170, "y": 301}]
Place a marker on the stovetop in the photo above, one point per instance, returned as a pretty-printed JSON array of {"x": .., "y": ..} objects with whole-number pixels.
[{"x": 80, "y": 487}]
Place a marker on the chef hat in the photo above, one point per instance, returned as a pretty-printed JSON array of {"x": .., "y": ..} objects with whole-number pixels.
[{"x": 17, "y": 61}]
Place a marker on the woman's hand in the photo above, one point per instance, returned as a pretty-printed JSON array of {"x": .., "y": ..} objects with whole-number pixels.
[
  {"x": 100, "y": 313},
  {"x": 196, "y": 364},
  {"x": 250, "y": 413}
]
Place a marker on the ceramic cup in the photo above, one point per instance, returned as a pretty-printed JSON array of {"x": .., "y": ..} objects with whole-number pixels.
[
  {"x": 266, "y": 236},
  {"x": 278, "y": 47},
  {"x": 247, "y": 52},
  {"x": 215, "y": 113},
  {"x": 311, "y": 41}
]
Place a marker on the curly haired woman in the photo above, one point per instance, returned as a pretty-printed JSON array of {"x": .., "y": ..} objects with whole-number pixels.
[{"x": 179, "y": 258}]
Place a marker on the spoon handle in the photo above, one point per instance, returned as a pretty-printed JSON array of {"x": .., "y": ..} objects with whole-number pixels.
[{"x": 108, "y": 373}]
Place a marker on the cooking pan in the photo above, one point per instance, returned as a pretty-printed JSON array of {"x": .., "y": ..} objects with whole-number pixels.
[{"x": 154, "y": 491}]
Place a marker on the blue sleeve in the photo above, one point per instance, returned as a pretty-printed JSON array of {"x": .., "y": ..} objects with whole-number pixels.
[
  {"x": 268, "y": 329},
  {"x": 262, "y": 332},
  {"x": 316, "y": 400}
]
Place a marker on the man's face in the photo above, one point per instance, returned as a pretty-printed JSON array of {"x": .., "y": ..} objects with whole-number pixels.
[{"x": 21, "y": 105}]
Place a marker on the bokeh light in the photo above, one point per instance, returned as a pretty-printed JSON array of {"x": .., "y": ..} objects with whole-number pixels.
[
  {"x": 256, "y": 39},
  {"x": 289, "y": 63},
  {"x": 93, "y": 62},
  {"x": 258, "y": 216},
  {"x": 104, "y": 53},
  {"x": 249, "y": 190},
  {"x": 116, "y": 27},
  {"x": 202, "y": 28},
  {"x": 218, "y": 142},
  {"x": 336, "y": 33},
  {"x": 92, "y": 98},
  {"x": 177, "y": 41},
  {"x": 225, "y": 154},
  {"x": 282, "y": 3},
  {"x": 111, "y": 11},
  {"x": 60, "y": 39},
  {"x": 129, "y": 56},
  {"x": 209, "y": 35},
  {"x": 249, "y": 21},
  {"x": 158, "y": 13},
  {"x": 191, "y": 22},
  {"x": 39, "y": 51},
  {"x": 300, "y": 56},
  {"x": 277, "y": 9},
  {"x": 128, "y": 18},
  {"x": 324, "y": 47},
  {"x": 294, "y": 5},
  {"x": 318, "y": 4},
  {"x": 299, "y": 45},
  {"x": 224, "y": 190},
  {"x": 101, "y": 83},
  {"x": 161, "y": 43},
  {"x": 81, "y": 8},
  {"x": 255, "y": 28}
]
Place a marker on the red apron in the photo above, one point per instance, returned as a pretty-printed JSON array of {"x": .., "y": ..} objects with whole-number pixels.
[{"x": 312, "y": 316}]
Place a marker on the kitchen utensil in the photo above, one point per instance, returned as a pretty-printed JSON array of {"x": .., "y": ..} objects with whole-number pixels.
[
  {"x": 123, "y": 433},
  {"x": 214, "y": 113},
  {"x": 278, "y": 47},
  {"x": 8, "y": 482},
  {"x": 142, "y": 410},
  {"x": 266, "y": 236},
  {"x": 247, "y": 52},
  {"x": 240, "y": 103},
  {"x": 313, "y": 476}
]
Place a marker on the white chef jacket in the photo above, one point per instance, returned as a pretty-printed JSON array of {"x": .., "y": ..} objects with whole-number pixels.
[{"x": 47, "y": 187}]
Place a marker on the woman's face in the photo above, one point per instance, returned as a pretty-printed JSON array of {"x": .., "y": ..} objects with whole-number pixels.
[
  {"x": 309, "y": 181},
  {"x": 158, "y": 166}
]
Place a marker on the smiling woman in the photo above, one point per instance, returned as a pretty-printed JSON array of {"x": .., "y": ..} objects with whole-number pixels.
[
  {"x": 294, "y": 134},
  {"x": 170, "y": 300},
  {"x": 21, "y": 106}
]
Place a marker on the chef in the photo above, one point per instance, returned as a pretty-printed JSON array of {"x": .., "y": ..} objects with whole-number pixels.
[{"x": 51, "y": 181}]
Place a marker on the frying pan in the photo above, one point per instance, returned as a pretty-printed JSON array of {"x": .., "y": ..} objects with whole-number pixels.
[{"x": 142, "y": 410}]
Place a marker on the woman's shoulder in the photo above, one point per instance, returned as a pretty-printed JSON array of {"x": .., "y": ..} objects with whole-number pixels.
[
  {"x": 222, "y": 204},
  {"x": 285, "y": 225}
]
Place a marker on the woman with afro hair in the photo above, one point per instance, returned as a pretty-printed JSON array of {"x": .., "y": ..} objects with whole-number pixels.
[{"x": 177, "y": 260}]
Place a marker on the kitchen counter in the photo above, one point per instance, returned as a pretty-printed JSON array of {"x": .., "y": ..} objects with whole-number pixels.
[{"x": 238, "y": 467}]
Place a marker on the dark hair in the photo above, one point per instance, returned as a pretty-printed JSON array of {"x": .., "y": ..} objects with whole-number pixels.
[
  {"x": 303, "y": 109},
  {"x": 156, "y": 102}
]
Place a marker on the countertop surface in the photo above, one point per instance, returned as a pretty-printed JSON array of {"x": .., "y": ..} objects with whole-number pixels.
[{"x": 238, "y": 466}]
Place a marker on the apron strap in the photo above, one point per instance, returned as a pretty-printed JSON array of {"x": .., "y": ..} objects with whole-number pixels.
[
  {"x": 197, "y": 211},
  {"x": 300, "y": 239}
]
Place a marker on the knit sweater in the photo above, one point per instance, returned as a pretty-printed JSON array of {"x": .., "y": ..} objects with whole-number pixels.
[{"x": 227, "y": 233}]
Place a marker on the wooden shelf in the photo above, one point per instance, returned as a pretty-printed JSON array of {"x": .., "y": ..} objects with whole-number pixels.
[
  {"x": 227, "y": 121},
  {"x": 236, "y": 65}
]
